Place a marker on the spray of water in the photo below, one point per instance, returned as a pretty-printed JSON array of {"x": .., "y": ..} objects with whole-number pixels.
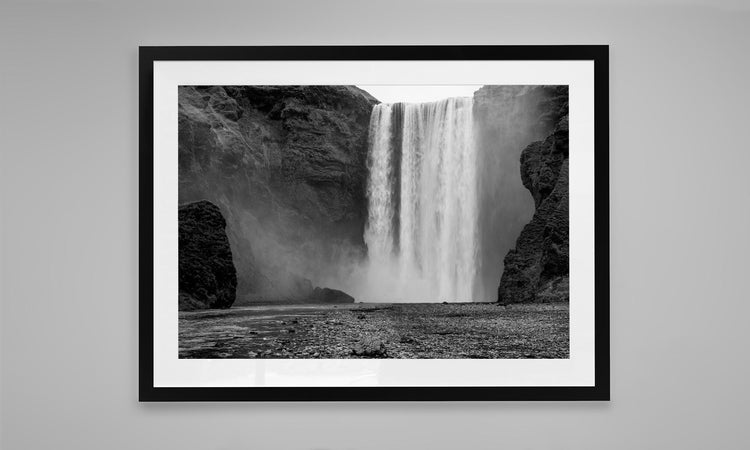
[{"x": 422, "y": 227}]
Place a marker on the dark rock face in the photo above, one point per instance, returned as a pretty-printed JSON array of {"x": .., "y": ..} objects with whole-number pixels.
[
  {"x": 537, "y": 270},
  {"x": 326, "y": 295},
  {"x": 206, "y": 271},
  {"x": 287, "y": 164},
  {"x": 542, "y": 161},
  {"x": 508, "y": 119}
]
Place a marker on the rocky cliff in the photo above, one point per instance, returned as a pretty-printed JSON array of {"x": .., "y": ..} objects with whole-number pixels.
[
  {"x": 537, "y": 269},
  {"x": 207, "y": 277},
  {"x": 287, "y": 164},
  {"x": 508, "y": 119}
]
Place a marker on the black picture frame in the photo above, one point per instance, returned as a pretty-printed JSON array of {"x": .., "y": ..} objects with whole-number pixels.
[{"x": 599, "y": 54}]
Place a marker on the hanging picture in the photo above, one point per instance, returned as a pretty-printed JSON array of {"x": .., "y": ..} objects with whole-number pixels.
[{"x": 374, "y": 223}]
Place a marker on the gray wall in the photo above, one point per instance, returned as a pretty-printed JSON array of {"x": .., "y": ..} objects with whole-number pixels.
[{"x": 68, "y": 134}]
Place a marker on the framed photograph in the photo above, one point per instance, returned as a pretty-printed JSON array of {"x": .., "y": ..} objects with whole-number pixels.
[{"x": 374, "y": 223}]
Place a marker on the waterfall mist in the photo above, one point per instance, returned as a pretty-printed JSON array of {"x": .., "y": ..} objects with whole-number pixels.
[
  {"x": 507, "y": 119},
  {"x": 445, "y": 197}
]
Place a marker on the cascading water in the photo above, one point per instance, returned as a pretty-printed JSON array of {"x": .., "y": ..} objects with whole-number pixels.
[{"x": 422, "y": 228}]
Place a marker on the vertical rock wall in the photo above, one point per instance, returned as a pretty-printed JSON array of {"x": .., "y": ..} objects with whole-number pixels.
[
  {"x": 508, "y": 119},
  {"x": 537, "y": 269}
]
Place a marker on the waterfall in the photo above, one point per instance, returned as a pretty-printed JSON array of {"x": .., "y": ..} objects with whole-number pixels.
[{"x": 423, "y": 216}]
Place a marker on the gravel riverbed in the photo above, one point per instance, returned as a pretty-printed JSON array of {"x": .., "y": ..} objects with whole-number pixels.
[{"x": 366, "y": 330}]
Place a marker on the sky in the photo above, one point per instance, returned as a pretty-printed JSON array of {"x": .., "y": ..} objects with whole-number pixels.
[{"x": 418, "y": 94}]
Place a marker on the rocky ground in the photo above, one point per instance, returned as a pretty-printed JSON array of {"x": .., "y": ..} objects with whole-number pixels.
[{"x": 415, "y": 330}]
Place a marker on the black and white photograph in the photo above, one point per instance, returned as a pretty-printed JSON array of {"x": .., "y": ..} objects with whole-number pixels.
[{"x": 373, "y": 221}]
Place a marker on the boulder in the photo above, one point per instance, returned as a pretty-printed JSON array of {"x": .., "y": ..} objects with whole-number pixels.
[
  {"x": 370, "y": 348},
  {"x": 326, "y": 295},
  {"x": 207, "y": 276}
]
